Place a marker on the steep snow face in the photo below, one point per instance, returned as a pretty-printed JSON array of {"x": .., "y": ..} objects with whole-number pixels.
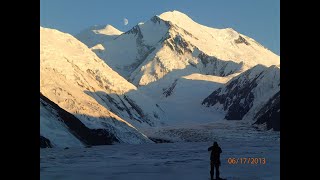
[
  {"x": 244, "y": 95},
  {"x": 74, "y": 78},
  {"x": 107, "y": 30},
  {"x": 54, "y": 130},
  {"x": 269, "y": 114},
  {"x": 128, "y": 51},
  {"x": 58, "y": 128},
  {"x": 98, "y": 49},
  {"x": 98, "y": 34},
  {"x": 67, "y": 57},
  {"x": 226, "y": 44},
  {"x": 173, "y": 41}
]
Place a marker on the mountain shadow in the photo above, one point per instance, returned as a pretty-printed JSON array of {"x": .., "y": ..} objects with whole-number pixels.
[
  {"x": 77, "y": 128},
  {"x": 270, "y": 113}
]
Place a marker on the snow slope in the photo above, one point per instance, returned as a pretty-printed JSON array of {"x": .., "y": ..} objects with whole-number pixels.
[
  {"x": 173, "y": 41},
  {"x": 269, "y": 114},
  {"x": 55, "y": 130},
  {"x": 180, "y": 95},
  {"x": 62, "y": 129},
  {"x": 225, "y": 44},
  {"x": 98, "y": 34},
  {"x": 74, "y": 78}
]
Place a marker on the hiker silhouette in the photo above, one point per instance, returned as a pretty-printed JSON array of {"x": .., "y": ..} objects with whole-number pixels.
[{"x": 215, "y": 160}]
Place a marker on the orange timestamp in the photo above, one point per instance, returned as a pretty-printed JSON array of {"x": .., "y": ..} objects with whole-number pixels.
[{"x": 247, "y": 160}]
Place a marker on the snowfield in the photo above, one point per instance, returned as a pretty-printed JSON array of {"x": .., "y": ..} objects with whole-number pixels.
[{"x": 170, "y": 161}]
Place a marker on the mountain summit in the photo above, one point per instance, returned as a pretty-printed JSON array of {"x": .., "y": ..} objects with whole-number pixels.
[
  {"x": 98, "y": 34},
  {"x": 173, "y": 41}
]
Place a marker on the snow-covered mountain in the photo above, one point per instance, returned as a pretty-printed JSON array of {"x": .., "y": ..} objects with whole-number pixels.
[
  {"x": 173, "y": 41},
  {"x": 98, "y": 34},
  {"x": 74, "y": 78},
  {"x": 94, "y": 36},
  {"x": 162, "y": 72},
  {"x": 249, "y": 95},
  {"x": 59, "y": 128}
]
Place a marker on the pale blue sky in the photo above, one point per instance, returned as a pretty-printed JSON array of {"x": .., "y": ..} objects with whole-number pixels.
[{"x": 258, "y": 19}]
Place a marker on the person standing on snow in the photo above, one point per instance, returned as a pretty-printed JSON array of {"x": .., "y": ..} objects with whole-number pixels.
[{"x": 215, "y": 160}]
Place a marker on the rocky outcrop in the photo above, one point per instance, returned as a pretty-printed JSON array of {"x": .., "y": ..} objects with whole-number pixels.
[{"x": 45, "y": 143}]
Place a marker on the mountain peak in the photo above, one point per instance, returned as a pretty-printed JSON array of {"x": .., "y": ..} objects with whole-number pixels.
[
  {"x": 106, "y": 29},
  {"x": 98, "y": 34},
  {"x": 171, "y": 41},
  {"x": 102, "y": 29},
  {"x": 172, "y": 13},
  {"x": 175, "y": 16}
]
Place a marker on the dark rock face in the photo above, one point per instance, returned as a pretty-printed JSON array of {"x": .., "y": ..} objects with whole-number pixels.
[
  {"x": 218, "y": 67},
  {"x": 138, "y": 110},
  {"x": 134, "y": 106},
  {"x": 157, "y": 140},
  {"x": 156, "y": 19},
  {"x": 124, "y": 106},
  {"x": 79, "y": 130},
  {"x": 135, "y": 30},
  {"x": 270, "y": 113},
  {"x": 237, "y": 99},
  {"x": 143, "y": 50},
  {"x": 45, "y": 143},
  {"x": 167, "y": 92},
  {"x": 241, "y": 40},
  {"x": 179, "y": 45}
]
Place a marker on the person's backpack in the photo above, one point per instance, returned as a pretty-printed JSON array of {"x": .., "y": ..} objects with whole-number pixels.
[{"x": 216, "y": 154}]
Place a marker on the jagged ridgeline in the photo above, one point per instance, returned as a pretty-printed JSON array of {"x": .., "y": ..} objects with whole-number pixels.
[{"x": 172, "y": 41}]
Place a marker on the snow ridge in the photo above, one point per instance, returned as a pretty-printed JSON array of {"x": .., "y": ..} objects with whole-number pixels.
[{"x": 173, "y": 41}]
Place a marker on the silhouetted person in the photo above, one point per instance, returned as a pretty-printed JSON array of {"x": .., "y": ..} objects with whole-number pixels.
[{"x": 215, "y": 159}]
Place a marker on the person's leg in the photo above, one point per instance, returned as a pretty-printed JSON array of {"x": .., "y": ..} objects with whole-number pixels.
[
  {"x": 218, "y": 172},
  {"x": 211, "y": 170}
]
